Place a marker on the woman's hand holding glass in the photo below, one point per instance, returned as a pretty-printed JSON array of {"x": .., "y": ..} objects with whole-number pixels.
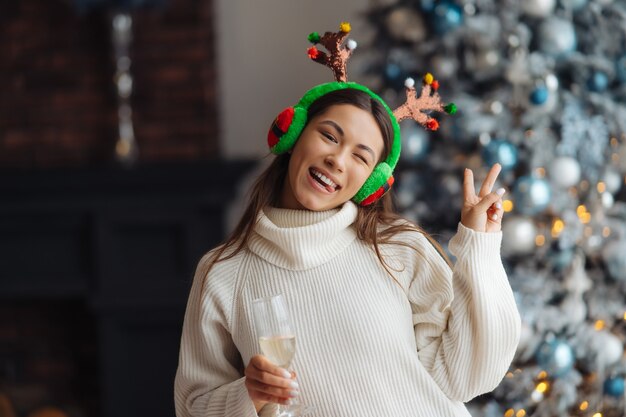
[
  {"x": 267, "y": 382},
  {"x": 267, "y": 377}
]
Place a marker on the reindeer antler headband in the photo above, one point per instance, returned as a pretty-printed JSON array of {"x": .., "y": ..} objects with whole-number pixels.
[
  {"x": 287, "y": 127},
  {"x": 413, "y": 108}
]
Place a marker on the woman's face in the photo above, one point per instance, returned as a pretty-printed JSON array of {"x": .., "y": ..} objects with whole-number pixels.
[{"x": 336, "y": 152}]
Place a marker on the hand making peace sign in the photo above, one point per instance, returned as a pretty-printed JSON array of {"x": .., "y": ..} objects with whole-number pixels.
[{"x": 482, "y": 212}]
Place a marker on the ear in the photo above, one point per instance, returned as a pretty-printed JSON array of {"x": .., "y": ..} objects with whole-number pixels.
[{"x": 286, "y": 129}]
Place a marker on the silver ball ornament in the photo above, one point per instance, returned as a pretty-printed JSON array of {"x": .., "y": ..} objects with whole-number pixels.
[
  {"x": 532, "y": 195},
  {"x": 519, "y": 235},
  {"x": 564, "y": 171},
  {"x": 557, "y": 37}
]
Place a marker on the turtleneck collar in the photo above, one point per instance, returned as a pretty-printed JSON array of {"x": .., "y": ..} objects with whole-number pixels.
[{"x": 302, "y": 239}]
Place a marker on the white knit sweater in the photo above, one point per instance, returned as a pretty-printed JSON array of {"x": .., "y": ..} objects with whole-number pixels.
[{"x": 366, "y": 346}]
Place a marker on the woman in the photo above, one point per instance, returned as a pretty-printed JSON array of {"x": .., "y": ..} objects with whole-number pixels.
[{"x": 384, "y": 325}]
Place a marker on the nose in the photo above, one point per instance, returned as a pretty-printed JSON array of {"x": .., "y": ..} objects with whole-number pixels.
[{"x": 336, "y": 160}]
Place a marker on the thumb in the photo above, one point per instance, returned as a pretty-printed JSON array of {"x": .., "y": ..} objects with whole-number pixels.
[{"x": 489, "y": 199}]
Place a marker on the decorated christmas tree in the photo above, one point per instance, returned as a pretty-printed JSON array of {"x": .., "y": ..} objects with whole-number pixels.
[{"x": 541, "y": 89}]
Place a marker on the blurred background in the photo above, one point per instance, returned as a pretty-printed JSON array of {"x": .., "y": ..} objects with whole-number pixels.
[{"x": 129, "y": 130}]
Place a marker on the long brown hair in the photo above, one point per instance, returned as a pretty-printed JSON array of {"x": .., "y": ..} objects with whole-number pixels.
[{"x": 375, "y": 224}]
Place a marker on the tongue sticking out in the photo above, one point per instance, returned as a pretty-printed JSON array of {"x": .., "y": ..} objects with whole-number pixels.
[{"x": 322, "y": 183}]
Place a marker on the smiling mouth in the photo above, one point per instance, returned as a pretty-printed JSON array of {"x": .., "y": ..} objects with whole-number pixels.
[{"x": 323, "y": 180}]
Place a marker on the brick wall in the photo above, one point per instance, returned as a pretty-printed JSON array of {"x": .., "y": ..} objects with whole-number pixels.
[{"x": 58, "y": 104}]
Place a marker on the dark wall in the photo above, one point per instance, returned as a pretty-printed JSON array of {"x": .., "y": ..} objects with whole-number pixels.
[
  {"x": 58, "y": 104},
  {"x": 96, "y": 259},
  {"x": 112, "y": 254}
]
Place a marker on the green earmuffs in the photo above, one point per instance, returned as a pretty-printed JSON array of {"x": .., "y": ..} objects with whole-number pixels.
[{"x": 290, "y": 123}]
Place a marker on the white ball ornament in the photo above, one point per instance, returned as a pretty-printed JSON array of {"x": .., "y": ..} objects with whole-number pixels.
[
  {"x": 613, "y": 180},
  {"x": 552, "y": 82},
  {"x": 611, "y": 349},
  {"x": 519, "y": 235},
  {"x": 409, "y": 82},
  {"x": 351, "y": 44},
  {"x": 538, "y": 8},
  {"x": 564, "y": 171}
]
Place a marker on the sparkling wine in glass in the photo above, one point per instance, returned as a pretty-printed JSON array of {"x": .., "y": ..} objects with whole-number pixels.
[{"x": 278, "y": 341}]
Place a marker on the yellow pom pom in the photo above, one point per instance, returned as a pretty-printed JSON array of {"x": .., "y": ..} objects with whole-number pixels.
[
  {"x": 345, "y": 27},
  {"x": 428, "y": 78}
]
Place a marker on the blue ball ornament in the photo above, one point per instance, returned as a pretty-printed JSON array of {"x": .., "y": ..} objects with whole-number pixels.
[
  {"x": 539, "y": 96},
  {"x": 598, "y": 82},
  {"x": 532, "y": 195},
  {"x": 446, "y": 17},
  {"x": 556, "y": 357},
  {"x": 415, "y": 143},
  {"x": 614, "y": 386},
  {"x": 501, "y": 152}
]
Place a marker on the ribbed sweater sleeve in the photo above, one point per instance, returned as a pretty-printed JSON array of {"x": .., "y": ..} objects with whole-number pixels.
[
  {"x": 466, "y": 323},
  {"x": 208, "y": 381}
]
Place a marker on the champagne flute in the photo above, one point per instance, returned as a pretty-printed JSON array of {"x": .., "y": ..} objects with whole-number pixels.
[{"x": 278, "y": 341}]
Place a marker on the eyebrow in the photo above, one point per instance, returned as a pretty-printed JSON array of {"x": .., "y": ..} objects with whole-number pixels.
[{"x": 340, "y": 130}]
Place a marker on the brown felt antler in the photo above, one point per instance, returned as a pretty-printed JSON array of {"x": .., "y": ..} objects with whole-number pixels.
[
  {"x": 429, "y": 100},
  {"x": 337, "y": 56}
]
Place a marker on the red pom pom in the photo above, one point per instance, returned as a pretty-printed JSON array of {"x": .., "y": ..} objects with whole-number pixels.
[
  {"x": 435, "y": 85},
  {"x": 313, "y": 52},
  {"x": 432, "y": 124}
]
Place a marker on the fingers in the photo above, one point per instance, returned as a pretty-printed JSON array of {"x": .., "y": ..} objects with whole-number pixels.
[
  {"x": 261, "y": 363},
  {"x": 491, "y": 203},
  {"x": 490, "y": 180},
  {"x": 267, "y": 382},
  {"x": 267, "y": 392},
  {"x": 468, "y": 185},
  {"x": 495, "y": 212}
]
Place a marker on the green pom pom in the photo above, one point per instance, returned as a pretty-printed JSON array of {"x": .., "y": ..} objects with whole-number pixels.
[
  {"x": 450, "y": 108},
  {"x": 314, "y": 37}
]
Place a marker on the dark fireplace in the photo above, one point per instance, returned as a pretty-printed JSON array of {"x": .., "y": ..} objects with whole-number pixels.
[
  {"x": 48, "y": 358},
  {"x": 95, "y": 269}
]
